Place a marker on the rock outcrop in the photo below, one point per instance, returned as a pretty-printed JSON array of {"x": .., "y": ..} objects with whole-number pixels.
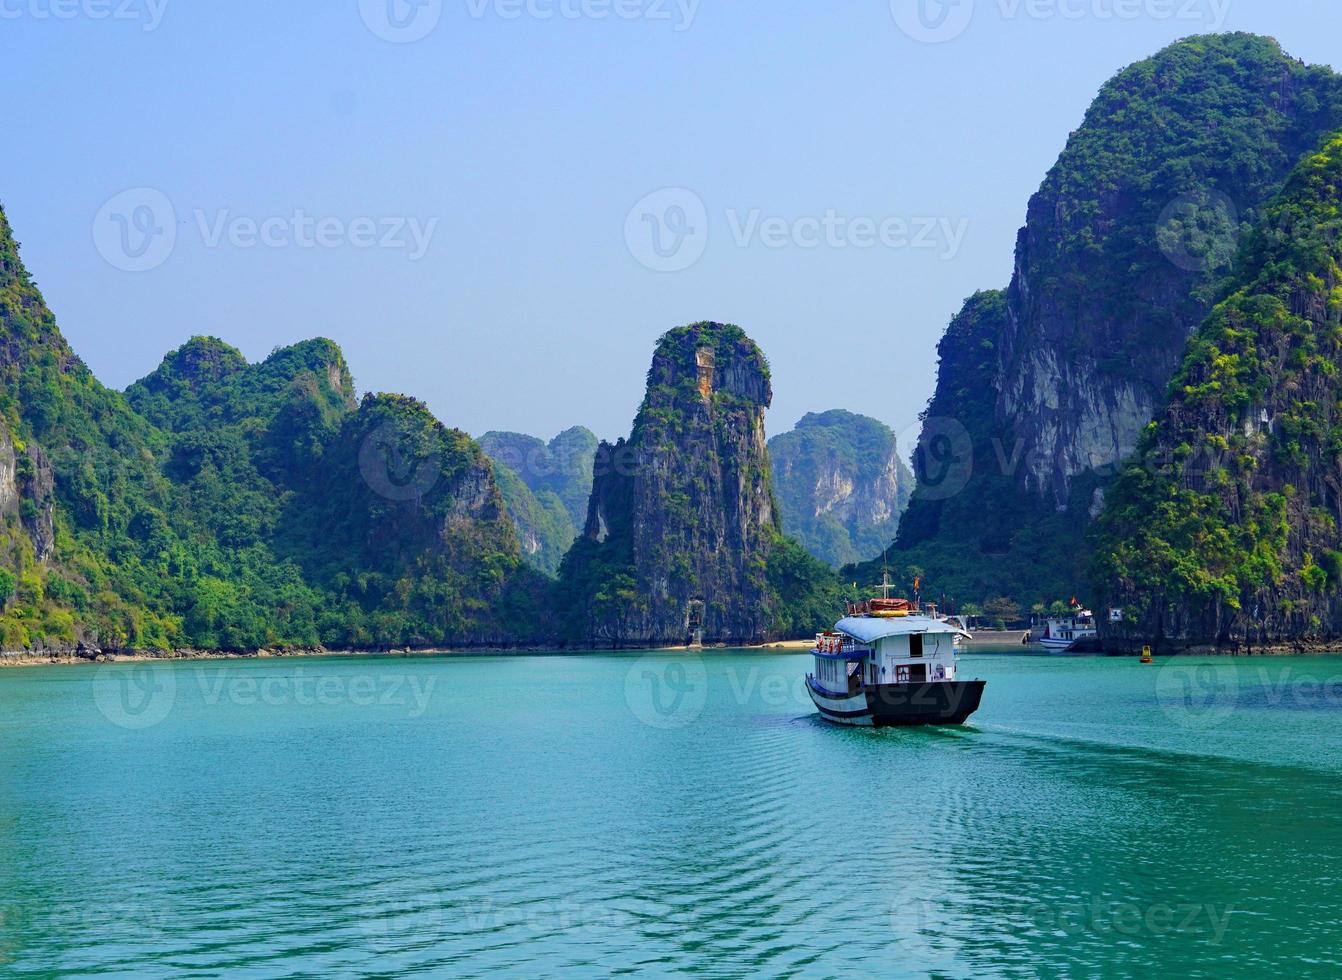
[
  {"x": 1224, "y": 532},
  {"x": 1124, "y": 250},
  {"x": 26, "y": 489},
  {"x": 841, "y": 485},
  {"x": 546, "y": 488},
  {"x": 563, "y": 466},
  {"x": 231, "y": 506},
  {"x": 681, "y": 522}
]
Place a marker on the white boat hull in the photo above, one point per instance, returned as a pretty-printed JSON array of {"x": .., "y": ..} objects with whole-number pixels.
[
  {"x": 851, "y": 710},
  {"x": 1062, "y": 646}
]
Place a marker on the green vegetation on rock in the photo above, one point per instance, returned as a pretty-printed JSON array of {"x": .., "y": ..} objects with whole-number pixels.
[
  {"x": 840, "y": 484},
  {"x": 1224, "y": 528},
  {"x": 545, "y": 487},
  {"x": 224, "y": 505},
  {"x": 682, "y": 535},
  {"x": 1127, "y": 245}
]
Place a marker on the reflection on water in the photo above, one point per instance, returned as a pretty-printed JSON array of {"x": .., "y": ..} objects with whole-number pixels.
[{"x": 656, "y": 814}]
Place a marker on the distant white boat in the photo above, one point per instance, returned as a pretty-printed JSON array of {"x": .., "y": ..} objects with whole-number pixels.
[{"x": 1069, "y": 634}]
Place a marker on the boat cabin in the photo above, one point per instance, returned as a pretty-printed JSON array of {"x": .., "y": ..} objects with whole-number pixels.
[
  {"x": 869, "y": 651},
  {"x": 1079, "y": 625}
]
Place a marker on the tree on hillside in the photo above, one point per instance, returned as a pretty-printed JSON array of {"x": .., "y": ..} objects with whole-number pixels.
[{"x": 1001, "y": 610}]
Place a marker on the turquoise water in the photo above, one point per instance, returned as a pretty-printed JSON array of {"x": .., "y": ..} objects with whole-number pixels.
[{"x": 644, "y": 815}]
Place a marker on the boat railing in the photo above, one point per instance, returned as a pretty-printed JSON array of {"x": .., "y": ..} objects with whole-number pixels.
[{"x": 832, "y": 644}]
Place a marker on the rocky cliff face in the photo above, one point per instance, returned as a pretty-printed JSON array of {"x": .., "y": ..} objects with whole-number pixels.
[
  {"x": 681, "y": 521},
  {"x": 1125, "y": 248},
  {"x": 840, "y": 484},
  {"x": 27, "y": 487},
  {"x": 1124, "y": 242},
  {"x": 1225, "y": 530},
  {"x": 546, "y": 488},
  {"x": 563, "y": 466}
]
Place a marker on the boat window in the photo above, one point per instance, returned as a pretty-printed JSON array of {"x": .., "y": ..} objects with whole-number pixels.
[{"x": 916, "y": 645}]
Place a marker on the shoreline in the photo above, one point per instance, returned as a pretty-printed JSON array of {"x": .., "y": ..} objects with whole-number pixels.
[{"x": 985, "y": 644}]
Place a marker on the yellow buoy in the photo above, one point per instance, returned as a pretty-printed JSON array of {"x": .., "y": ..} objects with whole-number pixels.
[{"x": 1146, "y": 655}]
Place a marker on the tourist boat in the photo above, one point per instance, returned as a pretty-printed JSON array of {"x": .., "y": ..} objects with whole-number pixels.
[
  {"x": 1070, "y": 634},
  {"x": 885, "y": 665}
]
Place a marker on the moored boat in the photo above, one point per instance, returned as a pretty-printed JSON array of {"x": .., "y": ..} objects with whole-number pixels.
[
  {"x": 886, "y": 666},
  {"x": 1070, "y": 634}
]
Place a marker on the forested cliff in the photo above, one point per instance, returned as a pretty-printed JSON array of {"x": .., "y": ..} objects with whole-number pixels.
[
  {"x": 1044, "y": 388},
  {"x": 226, "y": 505},
  {"x": 841, "y": 485},
  {"x": 682, "y": 535},
  {"x": 1224, "y": 529}
]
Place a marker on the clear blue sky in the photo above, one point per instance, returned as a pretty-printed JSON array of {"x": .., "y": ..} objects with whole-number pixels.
[{"x": 529, "y": 139}]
